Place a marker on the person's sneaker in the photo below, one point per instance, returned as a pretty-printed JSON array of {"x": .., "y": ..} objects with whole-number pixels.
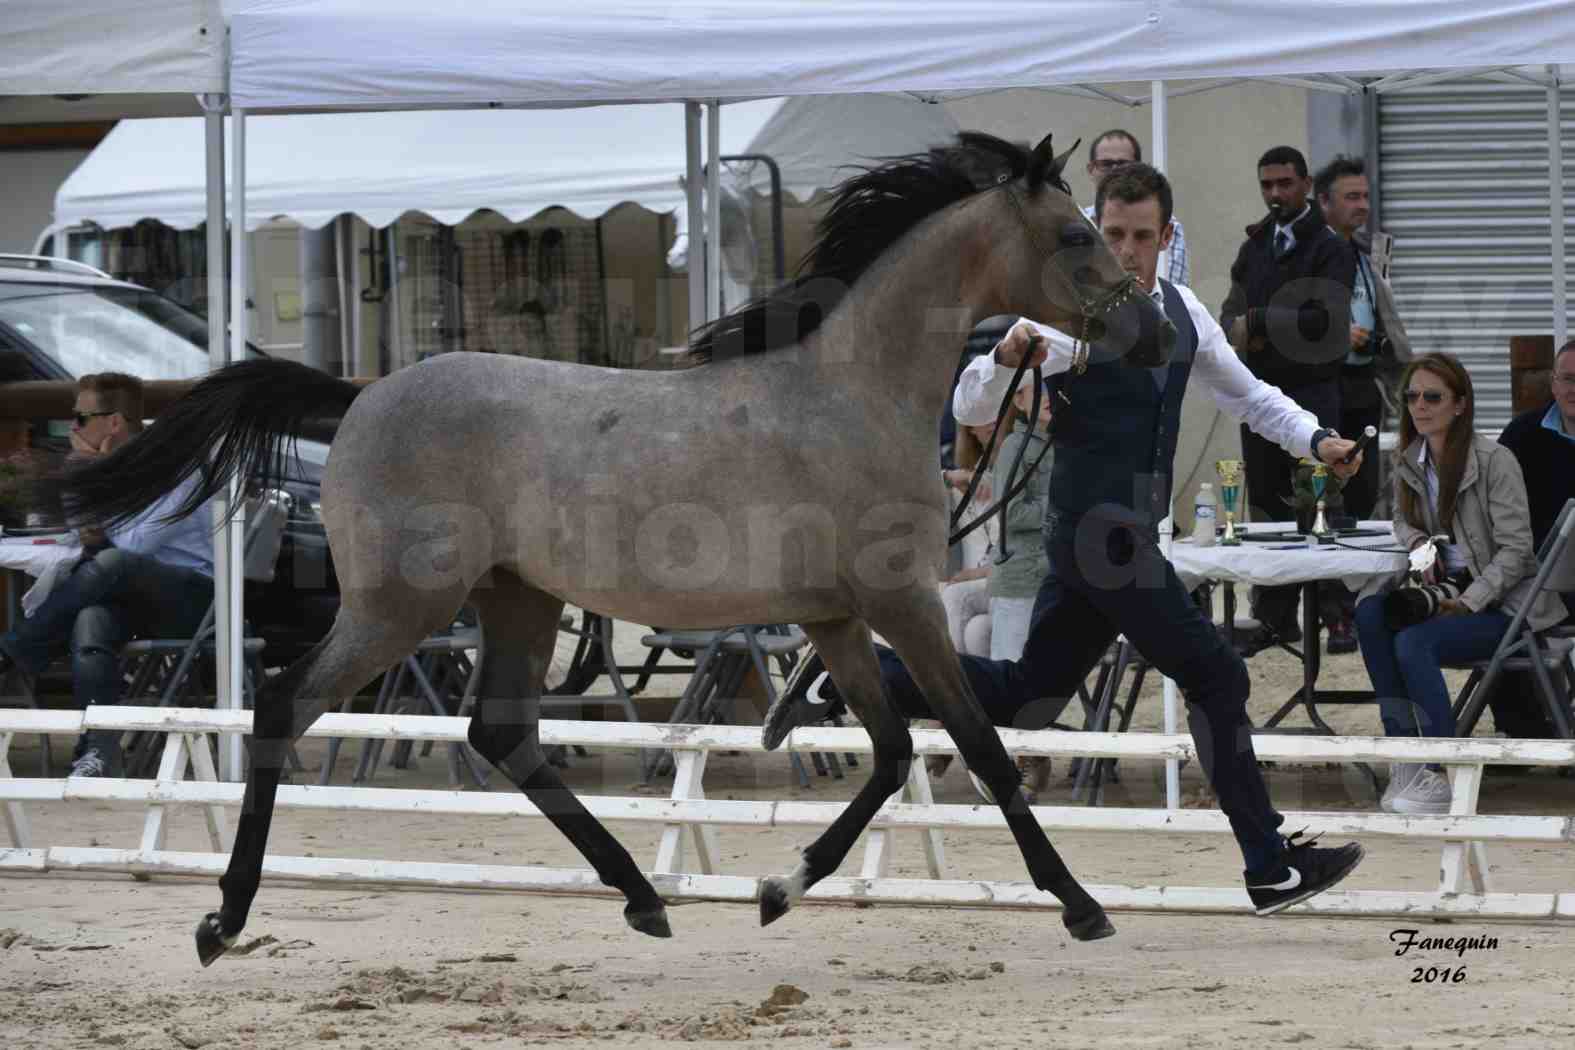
[
  {"x": 90, "y": 764},
  {"x": 809, "y": 696},
  {"x": 1400, "y": 776},
  {"x": 1428, "y": 794},
  {"x": 1342, "y": 638},
  {"x": 1306, "y": 870}
]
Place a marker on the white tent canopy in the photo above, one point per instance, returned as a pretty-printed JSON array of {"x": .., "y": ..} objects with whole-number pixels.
[
  {"x": 293, "y": 54},
  {"x": 312, "y": 167},
  {"x": 112, "y": 58}
]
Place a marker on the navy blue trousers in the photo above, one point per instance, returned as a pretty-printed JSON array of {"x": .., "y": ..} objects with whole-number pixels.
[{"x": 1106, "y": 578}]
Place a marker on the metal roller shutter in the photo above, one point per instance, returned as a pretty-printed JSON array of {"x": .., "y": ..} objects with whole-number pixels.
[{"x": 1463, "y": 183}]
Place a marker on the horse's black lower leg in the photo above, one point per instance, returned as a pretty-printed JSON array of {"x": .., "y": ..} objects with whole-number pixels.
[
  {"x": 846, "y": 648},
  {"x": 513, "y": 747},
  {"x": 273, "y": 731},
  {"x": 937, "y": 672},
  {"x": 357, "y": 648},
  {"x": 520, "y": 625}
]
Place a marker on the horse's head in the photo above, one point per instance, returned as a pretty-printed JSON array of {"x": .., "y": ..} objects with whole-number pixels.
[{"x": 1061, "y": 273}]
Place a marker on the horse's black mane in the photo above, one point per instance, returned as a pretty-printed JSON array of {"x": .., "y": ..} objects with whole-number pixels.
[{"x": 870, "y": 211}]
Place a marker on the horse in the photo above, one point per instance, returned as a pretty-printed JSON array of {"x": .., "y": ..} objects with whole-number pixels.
[{"x": 790, "y": 475}]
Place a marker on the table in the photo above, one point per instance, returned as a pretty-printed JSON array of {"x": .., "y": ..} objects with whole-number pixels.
[
  {"x": 42, "y": 557},
  {"x": 1267, "y": 563}
]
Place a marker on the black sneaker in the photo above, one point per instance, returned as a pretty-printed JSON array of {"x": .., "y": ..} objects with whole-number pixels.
[
  {"x": 808, "y": 697},
  {"x": 91, "y": 763},
  {"x": 1342, "y": 638},
  {"x": 1306, "y": 870}
]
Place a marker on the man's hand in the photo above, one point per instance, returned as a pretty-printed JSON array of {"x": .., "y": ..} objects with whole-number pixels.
[
  {"x": 1359, "y": 337},
  {"x": 1332, "y": 450},
  {"x": 1237, "y": 336},
  {"x": 92, "y": 536},
  {"x": 1452, "y": 607},
  {"x": 81, "y": 446},
  {"x": 1010, "y": 351}
]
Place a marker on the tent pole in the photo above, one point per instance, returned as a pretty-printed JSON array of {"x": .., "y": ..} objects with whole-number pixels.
[
  {"x": 713, "y": 211},
  {"x": 218, "y": 330},
  {"x": 1556, "y": 208},
  {"x": 1167, "y": 528},
  {"x": 229, "y": 543},
  {"x": 696, "y": 218}
]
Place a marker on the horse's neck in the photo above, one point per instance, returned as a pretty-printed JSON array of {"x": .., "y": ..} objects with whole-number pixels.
[{"x": 905, "y": 321}]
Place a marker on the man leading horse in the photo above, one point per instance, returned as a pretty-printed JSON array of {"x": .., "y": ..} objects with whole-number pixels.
[{"x": 1115, "y": 438}]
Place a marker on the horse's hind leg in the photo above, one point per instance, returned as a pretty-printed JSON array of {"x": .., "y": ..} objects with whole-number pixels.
[
  {"x": 521, "y": 627},
  {"x": 850, "y": 657},
  {"x": 361, "y": 643},
  {"x": 921, "y": 642}
]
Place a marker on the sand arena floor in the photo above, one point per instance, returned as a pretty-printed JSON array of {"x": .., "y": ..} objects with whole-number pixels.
[{"x": 108, "y": 961}]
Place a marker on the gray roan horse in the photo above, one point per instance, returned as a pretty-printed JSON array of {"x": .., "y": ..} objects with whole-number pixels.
[{"x": 790, "y": 478}]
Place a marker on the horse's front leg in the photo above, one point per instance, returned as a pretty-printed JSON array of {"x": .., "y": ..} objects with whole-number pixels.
[
  {"x": 920, "y": 639},
  {"x": 846, "y": 647}
]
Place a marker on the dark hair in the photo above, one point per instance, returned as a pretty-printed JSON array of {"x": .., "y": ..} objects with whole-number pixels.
[
  {"x": 1338, "y": 168},
  {"x": 1285, "y": 155},
  {"x": 1115, "y": 133},
  {"x": 1456, "y": 443},
  {"x": 1131, "y": 185},
  {"x": 117, "y": 392},
  {"x": 1566, "y": 348},
  {"x": 870, "y": 212}
]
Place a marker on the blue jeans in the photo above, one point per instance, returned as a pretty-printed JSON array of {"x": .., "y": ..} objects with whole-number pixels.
[
  {"x": 95, "y": 611},
  {"x": 1406, "y": 667},
  {"x": 1107, "y": 578}
]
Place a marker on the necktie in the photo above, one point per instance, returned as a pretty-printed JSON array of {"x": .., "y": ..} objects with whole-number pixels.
[{"x": 1282, "y": 243}]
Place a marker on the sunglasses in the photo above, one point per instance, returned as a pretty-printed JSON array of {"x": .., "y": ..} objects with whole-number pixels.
[
  {"x": 1432, "y": 397},
  {"x": 83, "y": 417}
]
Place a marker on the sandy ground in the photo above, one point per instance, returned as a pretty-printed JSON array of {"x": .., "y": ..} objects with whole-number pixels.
[{"x": 109, "y": 961}]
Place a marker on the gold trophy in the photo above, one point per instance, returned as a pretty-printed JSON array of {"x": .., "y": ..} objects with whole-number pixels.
[
  {"x": 1320, "y": 479},
  {"x": 1230, "y": 490}
]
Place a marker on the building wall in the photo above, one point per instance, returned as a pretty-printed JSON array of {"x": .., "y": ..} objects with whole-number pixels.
[{"x": 30, "y": 178}]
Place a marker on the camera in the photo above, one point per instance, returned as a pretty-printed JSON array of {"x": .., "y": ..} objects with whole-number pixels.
[{"x": 1412, "y": 604}]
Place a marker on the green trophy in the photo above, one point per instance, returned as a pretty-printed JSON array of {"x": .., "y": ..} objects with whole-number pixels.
[
  {"x": 1320, "y": 480},
  {"x": 1230, "y": 490}
]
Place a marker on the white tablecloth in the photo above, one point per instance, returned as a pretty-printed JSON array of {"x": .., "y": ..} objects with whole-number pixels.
[
  {"x": 39, "y": 557},
  {"x": 1281, "y": 562}
]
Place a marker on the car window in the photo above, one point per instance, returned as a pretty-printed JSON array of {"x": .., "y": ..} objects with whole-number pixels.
[{"x": 106, "y": 329}]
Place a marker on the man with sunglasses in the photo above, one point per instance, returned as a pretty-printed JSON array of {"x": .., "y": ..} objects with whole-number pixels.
[
  {"x": 1543, "y": 440},
  {"x": 145, "y": 576}
]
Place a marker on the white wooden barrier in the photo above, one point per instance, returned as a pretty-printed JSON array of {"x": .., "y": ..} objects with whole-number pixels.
[{"x": 691, "y": 821}]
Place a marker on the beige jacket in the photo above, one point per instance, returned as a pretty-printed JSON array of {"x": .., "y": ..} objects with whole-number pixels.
[{"x": 1492, "y": 528}]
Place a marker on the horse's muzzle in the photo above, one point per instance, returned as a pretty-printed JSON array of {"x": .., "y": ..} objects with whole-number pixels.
[{"x": 1138, "y": 333}]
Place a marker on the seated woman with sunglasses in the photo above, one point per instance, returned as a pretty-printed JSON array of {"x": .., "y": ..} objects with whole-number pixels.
[{"x": 1450, "y": 483}]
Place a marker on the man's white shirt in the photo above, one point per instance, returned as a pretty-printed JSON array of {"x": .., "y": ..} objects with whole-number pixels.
[{"x": 1239, "y": 393}]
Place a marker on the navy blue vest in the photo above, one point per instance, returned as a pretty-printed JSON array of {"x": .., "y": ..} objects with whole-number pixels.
[{"x": 1116, "y": 441}]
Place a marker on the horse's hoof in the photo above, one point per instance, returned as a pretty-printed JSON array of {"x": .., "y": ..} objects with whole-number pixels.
[
  {"x": 1089, "y": 925},
  {"x": 774, "y": 901},
  {"x": 652, "y": 923},
  {"x": 212, "y": 941}
]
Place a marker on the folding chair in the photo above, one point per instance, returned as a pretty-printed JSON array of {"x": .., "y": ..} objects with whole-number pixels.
[
  {"x": 1522, "y": 649},
  {"x": 162, "y": 670},
  {"x": 723, "y": 659},
  {"x": 439, "y": 674}
]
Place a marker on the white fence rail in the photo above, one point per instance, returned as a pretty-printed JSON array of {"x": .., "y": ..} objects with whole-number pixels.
[{"x": 691, "y": 822}]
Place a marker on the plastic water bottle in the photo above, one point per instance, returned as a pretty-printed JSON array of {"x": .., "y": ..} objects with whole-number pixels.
[{"x": 1203, "y": 516}]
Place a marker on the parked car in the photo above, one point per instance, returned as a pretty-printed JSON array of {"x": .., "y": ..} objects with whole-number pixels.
[{"x": 60, "y": 320}]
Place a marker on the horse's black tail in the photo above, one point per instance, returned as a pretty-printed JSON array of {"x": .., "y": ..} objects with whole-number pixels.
[{"x": 241, "y": 420}]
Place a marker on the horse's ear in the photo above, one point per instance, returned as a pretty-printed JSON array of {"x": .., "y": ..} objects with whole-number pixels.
[
  {"x": 1059, "y": 165},
  {"x": 1042, "y": 162}
]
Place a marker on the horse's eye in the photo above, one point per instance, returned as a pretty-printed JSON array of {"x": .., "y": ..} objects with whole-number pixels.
[{"x": 1076, "y": 235}]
